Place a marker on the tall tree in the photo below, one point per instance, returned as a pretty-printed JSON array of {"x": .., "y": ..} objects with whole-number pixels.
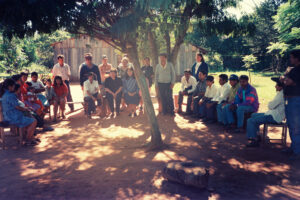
[
  {"x": 117, "y": 22},
  {"x": 287, "y": 23}
]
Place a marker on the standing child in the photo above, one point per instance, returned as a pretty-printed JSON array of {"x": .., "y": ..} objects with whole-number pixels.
[
  {"x": 131, "y": 91},
  {"x": 61, "y": 92},
  {"x": 49, "y": 92}
]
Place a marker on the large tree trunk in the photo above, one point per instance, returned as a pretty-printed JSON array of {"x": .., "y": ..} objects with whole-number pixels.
[
  {"x": 153, "y": 49},
  {"x": 156, "y": 140}
]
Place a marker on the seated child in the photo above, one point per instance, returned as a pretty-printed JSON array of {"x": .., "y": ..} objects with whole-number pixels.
[
  {"x": 39, "y": 87},
  {"x": 210, "y": 93},
  {"x": 33, "y": 102}
]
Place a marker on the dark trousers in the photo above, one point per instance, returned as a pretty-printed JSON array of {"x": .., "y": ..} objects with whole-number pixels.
[
  {"x": 293, "y": 121},
  {"x": 189, "y": 101},
  {"x": 111, "y": 100},
  {"x": 69, "y": 97},
  {"x": 202, "y": 109},
  {"x": 196, "y": 105},
  {"x": 91, "y": 103},
  {"x": 211, "y": 112},
  {"x": 166, "y": 96}
]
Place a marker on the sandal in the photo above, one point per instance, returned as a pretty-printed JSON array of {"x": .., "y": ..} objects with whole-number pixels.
[
  {"x": 37, "y": 140},
  {"x": 48, "y": 129},
  {"x": 31, "y": 143}
]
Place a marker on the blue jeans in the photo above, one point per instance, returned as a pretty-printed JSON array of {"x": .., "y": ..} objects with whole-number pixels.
[
  {"x": 220, "y": 113},
  {"x": 202, "y": 111},
  {"x": 226, "y": 115},
  {"x": 255, "y": 121},
  {"x": 43, "y": 99},
  {"x": 240, "y": 113},
  {"x": 292, "y": 111}
]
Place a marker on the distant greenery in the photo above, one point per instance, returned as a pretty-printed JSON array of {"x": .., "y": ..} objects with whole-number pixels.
[
  {"x": 34, "y": 53},
  {"x": 275, "y": 33}
]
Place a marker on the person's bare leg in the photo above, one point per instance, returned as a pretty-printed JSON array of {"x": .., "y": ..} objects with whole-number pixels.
[
  {"x": 62, "y": 108},
  {"x": 30, "y": 130},
  {"x": 141, "y": 101},
  {"x": 131, "y": 108},
  {"x": 100, "y": 107},
  {"x": 55, "y": 109}
]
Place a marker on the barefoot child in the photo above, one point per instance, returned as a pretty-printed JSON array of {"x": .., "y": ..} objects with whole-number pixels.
[{"x": 61, "y": 92}]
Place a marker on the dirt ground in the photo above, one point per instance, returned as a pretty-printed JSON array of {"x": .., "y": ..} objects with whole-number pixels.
[{"x": 103, "y": 159}]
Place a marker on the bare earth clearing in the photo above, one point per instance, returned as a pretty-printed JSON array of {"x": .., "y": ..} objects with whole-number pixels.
[{"x": 104, "y": 159}]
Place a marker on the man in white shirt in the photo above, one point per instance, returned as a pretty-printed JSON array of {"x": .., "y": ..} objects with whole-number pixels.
[
  {"x": 222, "y": 95},
  {"x": 210, "y": 93},
  {"x": 275, "y": 114},
  {"x": 91, "y": 94},
  {"x": 63, "y": 70},
  {"x": 188, "y": 86}
]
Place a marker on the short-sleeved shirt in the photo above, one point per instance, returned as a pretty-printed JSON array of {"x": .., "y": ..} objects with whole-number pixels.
[
  {"x": 37, "y": 85},
  {"x": 63, "y": 71},
  {"x": 293, "y": 90},
  {"x": 148, "y": 72},
  {"x": 211, "y": 91},
  {"x": 92, "y": 88},
  {"x": 50, "y": 93},
  {"x": 122, "y": 71},
  {"x": 60, "y": 90},
  {"x": 113, "y": 85},
  {"x": 11, "y": 114}
]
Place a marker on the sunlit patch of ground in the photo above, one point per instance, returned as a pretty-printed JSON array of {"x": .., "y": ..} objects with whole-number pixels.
[{"x": 105, "y": 159}]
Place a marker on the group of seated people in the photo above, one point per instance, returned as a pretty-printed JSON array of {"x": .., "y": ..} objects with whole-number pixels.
[
  {"x": 114, "y": 89},
  {"x": 229, "y": 103},
  {"x": 24, "y": 105}
]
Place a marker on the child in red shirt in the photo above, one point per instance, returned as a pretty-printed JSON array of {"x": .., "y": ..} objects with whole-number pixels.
[{"x": 61, "y": 92}]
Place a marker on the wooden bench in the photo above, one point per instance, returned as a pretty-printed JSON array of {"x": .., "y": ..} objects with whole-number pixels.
[
  {"x": 282, "y": 125},
  {"x": 14, "y": 131},
  {"x": 176, "y": 97}
]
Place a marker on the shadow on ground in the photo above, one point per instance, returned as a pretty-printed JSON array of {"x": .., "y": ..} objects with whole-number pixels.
[{"x": 104, "y": 159}]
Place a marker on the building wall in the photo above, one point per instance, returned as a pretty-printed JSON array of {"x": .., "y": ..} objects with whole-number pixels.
[
  {"x": 74, "y": 49},
  {"x": 185, "y": 59}
]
